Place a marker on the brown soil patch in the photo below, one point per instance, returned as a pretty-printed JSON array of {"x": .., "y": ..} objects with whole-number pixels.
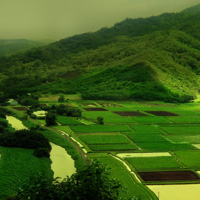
[
  {"x": 95, "y": 109},
  {"x": 108, "y": 105},
  {"x": 162, "y": 113},
  {"x": 168, "y": 176},
  {"x": 43, "y": 104},
  {"x": 130, "y": 113},
  {"x": 20, "y": 108}
]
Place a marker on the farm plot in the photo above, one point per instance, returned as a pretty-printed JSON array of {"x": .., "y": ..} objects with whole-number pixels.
[
  {"x": 130, "y": 113},
  {"x": 150, "y": 120},
  {"x": 107, "y": 142},
  {"x": 113, "y": 147},
  {"x": 108, "y": 117},
  {"x": 109, "y": 105},
  {"x": 104, "y": 139},
  {"x": 163, "y": 146},
  {"x": 184, "y": 119},
  {"x": 153, "y": 163},
  {"x": 190, "y": 139},
  {"x": 168, "y": 176},
  {"x": 162, "y": 113},
  {"x": 99, "y": 128},
  {"x": 146, "y": 129},
  {"x": 67, "y": 120},
  {"x": 189, "y": 158},
  {"x": 185, "y": 130}
]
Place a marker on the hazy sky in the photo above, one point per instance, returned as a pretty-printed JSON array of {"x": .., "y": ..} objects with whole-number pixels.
[{"x": 57, "y": 19}]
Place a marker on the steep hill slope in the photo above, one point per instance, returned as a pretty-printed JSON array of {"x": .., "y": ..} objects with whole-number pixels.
[{"x": 156, "y": 58}]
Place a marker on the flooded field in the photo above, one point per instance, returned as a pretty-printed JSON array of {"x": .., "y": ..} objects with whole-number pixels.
[
  {"x": 176, "y": 192},
  {"x": 62, "y": 163},
  {"x": 15, "y": 123}
]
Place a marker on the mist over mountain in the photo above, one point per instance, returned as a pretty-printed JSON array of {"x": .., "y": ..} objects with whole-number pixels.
[
  {"x": 10, "y": 46},
  {"x": 155, "y": 58}
]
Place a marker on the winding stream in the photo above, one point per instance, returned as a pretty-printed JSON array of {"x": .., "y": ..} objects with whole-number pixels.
[{"x": 62, "y": 163}]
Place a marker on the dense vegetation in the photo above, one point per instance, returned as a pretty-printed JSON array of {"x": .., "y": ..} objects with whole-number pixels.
[
  {"x": 29, "y": 139},
  {"x": 155, "y": 58},
  {"x": 78, "y": 186}
]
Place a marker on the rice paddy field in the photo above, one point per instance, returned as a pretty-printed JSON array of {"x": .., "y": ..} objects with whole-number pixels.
[{"x": 160, "y": 142}]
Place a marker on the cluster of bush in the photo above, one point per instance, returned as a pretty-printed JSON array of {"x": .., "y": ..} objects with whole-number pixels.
[{"x": 28, "y": 139}]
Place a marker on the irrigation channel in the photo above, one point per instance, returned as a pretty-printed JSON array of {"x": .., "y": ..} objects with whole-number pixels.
[{"x": 59, "y": 157}]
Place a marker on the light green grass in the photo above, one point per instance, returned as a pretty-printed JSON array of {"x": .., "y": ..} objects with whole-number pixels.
[
  {"x": 151, "y": 137},
  {"x": 184, "y": 119},
  {"x": 113, "y": 147},
  {"x": 182, "y": 130},
  {"x": 163, "y": 146},
  {"x": 16, "y": 166},
  {"x": 150, "y": 120},
  {"x": 191, "y": 139},
  {"x": 99, "y": 128},
  {"x": 189, "y": 158},
  {"x": 153, "y": 163},
  {"x": 104, "y": 139},
  {"x": 146, "y": 129},
  {"x": 67, "y": 120},
  {"x": 108, "y": 116}
]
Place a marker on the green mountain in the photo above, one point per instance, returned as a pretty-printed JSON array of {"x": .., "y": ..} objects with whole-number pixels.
[
  {"x": 10, "y": 46},
  {"x": 155, "y": 58}
]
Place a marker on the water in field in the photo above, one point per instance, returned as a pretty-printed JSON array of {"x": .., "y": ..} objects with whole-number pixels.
[
  {"x": 176, "y": 192},
  {"x": 15, "y": 123},
  {"x": 62, "y": 163}
]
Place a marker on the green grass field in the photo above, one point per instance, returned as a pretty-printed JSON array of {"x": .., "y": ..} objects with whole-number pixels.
[
  {"x": 109, "y": 117},
  {"x": 189, "y": 158},
  {"x": 182, "y": 130},
  {"x": 67, "y": 120},
  {"x": 104, "y": 139},
  {"x": 153, "y": 163},
  {"x": 16, "y": 166},
  {"x": 99, "y": 128}
]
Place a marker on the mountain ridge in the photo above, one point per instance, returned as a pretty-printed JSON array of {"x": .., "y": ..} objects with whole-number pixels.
[{"x": 165, "y": 47}]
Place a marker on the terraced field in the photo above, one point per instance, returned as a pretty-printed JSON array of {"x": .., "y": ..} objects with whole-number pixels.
[{"x": 156, "y": 140}]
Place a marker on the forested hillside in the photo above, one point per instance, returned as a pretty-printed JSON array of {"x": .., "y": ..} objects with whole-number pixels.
[{"x": 156, "y": 58}]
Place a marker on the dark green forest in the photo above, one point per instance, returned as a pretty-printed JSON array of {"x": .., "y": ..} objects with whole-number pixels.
[{"x": 155, "y": 58}]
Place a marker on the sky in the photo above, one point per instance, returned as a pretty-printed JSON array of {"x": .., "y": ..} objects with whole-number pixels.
[{"x": 57, "y": 19}]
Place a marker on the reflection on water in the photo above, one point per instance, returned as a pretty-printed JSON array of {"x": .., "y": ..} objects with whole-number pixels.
[
  {"x": 15, "y": 123},
  {"x": 176, "y": 192},
  {"x": 62, "y": 163}
]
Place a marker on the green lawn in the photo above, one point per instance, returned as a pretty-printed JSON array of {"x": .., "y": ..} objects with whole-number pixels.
[
  {"x": 99, "y": 128},
  {"x": 16, "y": 166},
  {"x": 153, "y": 163}
]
